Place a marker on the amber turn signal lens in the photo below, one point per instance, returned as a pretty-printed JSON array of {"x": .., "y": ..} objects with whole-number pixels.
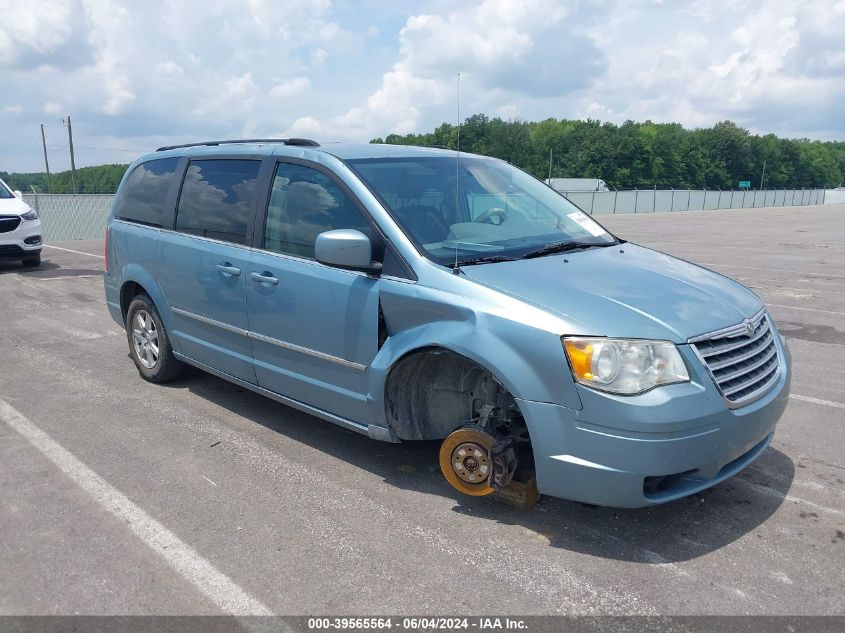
[{"x": 581, "y": 356}]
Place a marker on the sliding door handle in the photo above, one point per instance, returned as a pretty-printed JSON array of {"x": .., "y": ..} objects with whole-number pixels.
[{"x": 227, "y": 270}]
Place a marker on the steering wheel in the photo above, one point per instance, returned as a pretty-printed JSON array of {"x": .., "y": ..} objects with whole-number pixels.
[{"x": 488, "y": 215}]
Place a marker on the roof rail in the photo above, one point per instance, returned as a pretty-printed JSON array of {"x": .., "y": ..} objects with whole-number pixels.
[{"x": 304, "y": 142}]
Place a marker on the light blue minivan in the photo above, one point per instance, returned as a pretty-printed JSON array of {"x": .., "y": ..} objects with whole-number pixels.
[{"x": 412, "y": 293}]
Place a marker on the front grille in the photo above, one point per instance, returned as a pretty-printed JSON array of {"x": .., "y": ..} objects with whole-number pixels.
[
  {"x": 9, "y": 223},
  {"x": 744, "y": 366},
  {"x": 10, "y": 250}
]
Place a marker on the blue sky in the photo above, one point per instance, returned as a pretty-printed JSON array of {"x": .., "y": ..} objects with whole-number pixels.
[{"x": 138, "y": 74}]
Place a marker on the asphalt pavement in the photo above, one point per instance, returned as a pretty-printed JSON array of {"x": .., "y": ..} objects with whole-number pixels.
[{"x": 122, "y": 497}]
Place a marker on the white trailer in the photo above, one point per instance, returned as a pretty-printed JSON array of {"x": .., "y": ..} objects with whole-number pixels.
[{"x": 577, "y": 184}]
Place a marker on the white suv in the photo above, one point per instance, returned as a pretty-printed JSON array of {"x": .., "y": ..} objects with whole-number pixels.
[{"x": 20, "y": 228}]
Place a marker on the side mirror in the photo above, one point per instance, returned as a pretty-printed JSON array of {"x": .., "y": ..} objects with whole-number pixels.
[
  {"x": 18, "y": 194},
  {"x": 345, "y": 248}
]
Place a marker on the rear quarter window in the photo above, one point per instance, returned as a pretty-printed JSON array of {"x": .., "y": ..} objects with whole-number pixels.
[
  {"x": 144, "y": 195},
  {"x": 216, "y": 199}
]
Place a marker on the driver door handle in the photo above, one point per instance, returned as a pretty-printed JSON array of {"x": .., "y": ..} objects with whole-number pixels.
[{"x": 264, "y": 278}]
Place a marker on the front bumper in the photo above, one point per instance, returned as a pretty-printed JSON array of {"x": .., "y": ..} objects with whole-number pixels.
[
  {"x": 656, "y": 447},
  {"x": 13, "y": 244}
]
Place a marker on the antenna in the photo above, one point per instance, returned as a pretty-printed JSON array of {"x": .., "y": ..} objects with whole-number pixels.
[{"x": 455, "y": 269}]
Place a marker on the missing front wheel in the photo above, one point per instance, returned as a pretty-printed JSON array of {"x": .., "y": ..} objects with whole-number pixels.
[{"x": 475, "y": 462}]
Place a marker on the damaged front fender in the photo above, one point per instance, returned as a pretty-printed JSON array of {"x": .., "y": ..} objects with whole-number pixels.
[{"x": 525, "y": 357}]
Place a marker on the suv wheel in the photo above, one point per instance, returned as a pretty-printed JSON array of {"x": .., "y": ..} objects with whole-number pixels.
[
  {"x": 31, "y": 260},
  {"x": 149, "y": 345}
]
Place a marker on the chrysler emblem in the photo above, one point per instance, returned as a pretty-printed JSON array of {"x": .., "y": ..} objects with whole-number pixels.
[{"x": 749, "y": 327}]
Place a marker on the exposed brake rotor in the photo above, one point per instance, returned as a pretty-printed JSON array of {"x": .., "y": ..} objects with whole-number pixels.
[{"x": 475, "y": 462}]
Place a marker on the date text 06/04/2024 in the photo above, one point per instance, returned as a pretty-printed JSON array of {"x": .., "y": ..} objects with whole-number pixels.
[{"x": 416, "y": 624}]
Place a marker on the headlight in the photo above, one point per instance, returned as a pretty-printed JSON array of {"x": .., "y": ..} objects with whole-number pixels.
[
  {"x": 29, "y": 216},
  {"x": 624, "y": 366}
]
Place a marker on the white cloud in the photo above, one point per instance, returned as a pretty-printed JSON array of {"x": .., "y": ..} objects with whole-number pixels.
[
  {"x": 235, "y": 96},
  {"x": 307, "y": 127},
  {"x": 765, "y": 64},
  {"x": 514, "y": 46},
  {"x": 396, "y": 106},
  {"x": 318, "y": 56},
  {"x": 290, "y": 88},
  {"x": 168, "y": 69},
  {"x": 178, "y": 70},
  {"x": 508, "y": 112},
  {"x": 36, "y": 33}
]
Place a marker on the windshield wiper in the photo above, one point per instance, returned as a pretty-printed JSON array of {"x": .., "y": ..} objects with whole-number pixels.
[
  {"x": 561, "y": 247},
  {"x": 489, "y": 259}
]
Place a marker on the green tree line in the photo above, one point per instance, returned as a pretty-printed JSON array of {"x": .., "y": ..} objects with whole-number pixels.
[
  {"x": 644, "y": 155},
  {"x": 98, "y": 179},
  {"x": 641, "y": 155}
]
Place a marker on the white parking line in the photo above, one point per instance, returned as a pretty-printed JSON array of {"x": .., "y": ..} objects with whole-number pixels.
[
  {"x": 826, "y": 403},
  {"x": 218, "y": 587},
  {"x": 795, "y": 280},
  {"x": 70, "y": 250},
  {"x": 768, "y": 249},
  {"x": 750, "y": 283},
  {"x": 776, "y": 270},
  {"x": 767, "y": 490},
  {"x": 66, "y": 278},
  {"x": 777, "y": 305}
]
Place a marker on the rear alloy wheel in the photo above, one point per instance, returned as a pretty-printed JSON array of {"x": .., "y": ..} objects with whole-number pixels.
[
  {"x": 145, "y": 338},
  {"x": 466, "y": 460},
  {"x": 149, "y": 345}
]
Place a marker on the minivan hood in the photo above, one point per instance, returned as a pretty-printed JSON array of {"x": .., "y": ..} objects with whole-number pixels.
[
  {"x": 624, "y": 291},
  {"x": 13, "y": 206}
]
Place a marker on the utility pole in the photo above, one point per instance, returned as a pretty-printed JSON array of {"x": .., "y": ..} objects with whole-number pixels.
[
  {"x": 46, "y": 163},
  {"x": 763, "y": 177},
  {"x": 550, "y": 166},
  {"x": 72, "y": 161}
]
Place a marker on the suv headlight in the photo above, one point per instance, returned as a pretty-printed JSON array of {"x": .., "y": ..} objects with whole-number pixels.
[
  {"x": 624, "y": 366},
  {"x": 29, "y": 216}
]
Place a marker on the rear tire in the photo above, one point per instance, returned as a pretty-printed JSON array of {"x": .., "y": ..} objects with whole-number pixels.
[
  {"x": 149, "y": 344},
  {"x": 31, "y": 261}
]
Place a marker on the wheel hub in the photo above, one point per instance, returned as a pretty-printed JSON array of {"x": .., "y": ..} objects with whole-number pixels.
[
  {"x": 471, "y": 462},
  {"x": 466, "y": 460}
]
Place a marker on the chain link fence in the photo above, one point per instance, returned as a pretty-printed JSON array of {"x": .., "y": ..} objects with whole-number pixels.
[
  {"x": 71, "y": 217},
  {"x": 662, "y": 201},
  {"x": 83, "y": 216}
]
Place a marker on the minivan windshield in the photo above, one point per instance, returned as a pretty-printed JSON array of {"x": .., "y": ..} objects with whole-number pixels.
[{"x": 477, "y": 208}]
